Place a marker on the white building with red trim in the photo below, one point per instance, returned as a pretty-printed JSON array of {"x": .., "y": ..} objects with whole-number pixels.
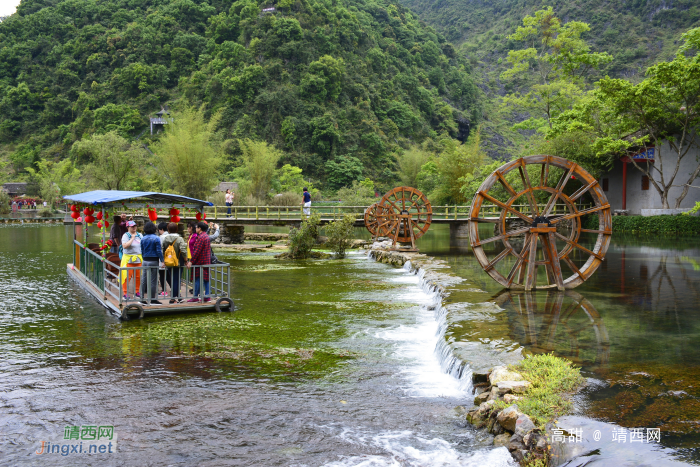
[{"x": 629, "y": 189}]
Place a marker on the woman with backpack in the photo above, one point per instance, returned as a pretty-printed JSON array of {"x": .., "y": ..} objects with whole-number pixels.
[{"x": 175, "y": 249}]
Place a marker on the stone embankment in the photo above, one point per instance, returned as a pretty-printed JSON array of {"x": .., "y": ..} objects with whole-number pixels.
[{"x": 511, "y": 428}]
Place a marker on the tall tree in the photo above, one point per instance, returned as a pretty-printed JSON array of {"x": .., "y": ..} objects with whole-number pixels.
[
  {"x": 551, "y": 70},
  {"x": 663, "y": 110},
  {"x": 260, "y": 160},
  {"x": 112, "y": 162},
  {"x": 189, "y": 152},
  {"x": 56, "y": 179}
]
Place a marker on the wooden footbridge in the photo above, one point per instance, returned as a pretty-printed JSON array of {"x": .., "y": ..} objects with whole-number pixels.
[{"x": 293, "y": 215}]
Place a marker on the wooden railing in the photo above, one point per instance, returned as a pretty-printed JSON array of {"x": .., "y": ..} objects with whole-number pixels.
[{"x": 282, "y": 213}]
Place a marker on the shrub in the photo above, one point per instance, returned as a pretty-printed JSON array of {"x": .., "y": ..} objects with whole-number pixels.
[
  {"x": 289, "y": 198},
  {"x": 302, "y": 240},
  {"x": 4, "y": 202},
  {"x": 359, "y": 194},
  {"x": 45, "y": 213},
  {"x": 676, "y": 225},
  {"x": 339, "y": 234}
]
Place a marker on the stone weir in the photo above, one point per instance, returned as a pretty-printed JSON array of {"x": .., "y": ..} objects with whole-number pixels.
[{"x": 494, "y": 387}]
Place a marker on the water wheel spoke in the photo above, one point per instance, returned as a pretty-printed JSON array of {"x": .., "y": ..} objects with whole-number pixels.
[
  {"x": 544, "y": 174},
  {"x": 417, "y": 225},
  {"x": 578, "y": 193},
  {"x": 521, "y": 258},
  {"x": 579, "y": 213},
  {"x": 502, "y": 236},
  {"x": 506, "y": 207},
  {"x": 498, "y": 258},
  {"x": 558, "y": 191},
  {"x": 505, "y": 184},
  {"x": 573, "y": 267},
  {"x": 534, "y": 209},
  {"x": 576, "y": 245}
]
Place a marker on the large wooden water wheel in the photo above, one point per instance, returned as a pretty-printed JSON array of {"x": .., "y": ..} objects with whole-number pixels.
[
  {"x": 536, "y": 223},
  {"x": 404, "y": 215}
]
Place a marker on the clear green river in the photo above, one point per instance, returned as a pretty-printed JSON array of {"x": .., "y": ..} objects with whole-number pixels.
[{"x": 342, "y": 362}]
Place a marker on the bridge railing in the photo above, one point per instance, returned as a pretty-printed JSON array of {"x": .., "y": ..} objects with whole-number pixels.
[{"x": 285, "y": 213}]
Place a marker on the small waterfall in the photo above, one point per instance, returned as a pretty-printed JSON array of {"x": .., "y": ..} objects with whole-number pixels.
[{"x": 449, "y": 363}]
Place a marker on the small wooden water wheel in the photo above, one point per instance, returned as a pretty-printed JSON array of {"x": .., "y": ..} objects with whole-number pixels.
[
  {"x": 404, "y": 214},
  {"x": 536, "y": 223},
  {"x": 371, "y": 222}
]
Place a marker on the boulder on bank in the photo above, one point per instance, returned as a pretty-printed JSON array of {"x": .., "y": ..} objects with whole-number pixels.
[
  {"x": 502, "y": 373},
  {"x": 508, "y": 417}
]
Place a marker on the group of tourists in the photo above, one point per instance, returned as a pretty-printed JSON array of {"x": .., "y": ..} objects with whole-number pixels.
[
  {"x": 16, "y": 205},
  {"x": 165, "y": 254}
]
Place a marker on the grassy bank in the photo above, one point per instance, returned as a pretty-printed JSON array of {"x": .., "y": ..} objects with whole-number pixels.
[{"x": 553, "y": 380}]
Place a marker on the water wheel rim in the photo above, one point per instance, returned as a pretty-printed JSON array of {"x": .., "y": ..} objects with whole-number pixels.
[
  {"x": 404, "y": 208},
  {"x": 571, "y": 170},
  {"x": 370, "y": 217}
]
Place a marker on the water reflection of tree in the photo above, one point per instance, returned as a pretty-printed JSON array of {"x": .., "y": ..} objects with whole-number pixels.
[
  {"x": 536, "y": 323},
  {"x": 668, "y": 286}
]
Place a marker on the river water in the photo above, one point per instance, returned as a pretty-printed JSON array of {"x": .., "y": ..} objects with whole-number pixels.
[{"x": 334, "y": 362}]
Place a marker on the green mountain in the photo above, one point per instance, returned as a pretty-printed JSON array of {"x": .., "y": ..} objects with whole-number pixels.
[
  {"x": 347, "y": 81},
  {"x": 637, "y": 33}
]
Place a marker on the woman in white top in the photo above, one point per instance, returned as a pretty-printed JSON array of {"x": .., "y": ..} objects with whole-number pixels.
[{"x": 229, "y": 200}]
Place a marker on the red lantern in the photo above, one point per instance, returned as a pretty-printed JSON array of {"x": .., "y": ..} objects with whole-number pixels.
[
  {"x": 99, "y": 225},
  {"x": 175, "y": 219},
  {"x": 152, "y": 214},
  {"x": 174, "y": 212},
  {"x": 106, "y": 224},
  {"x": 99, "y": 215},
  {"x": 86, "y": 211},
  {"x": 89, "y": 220},
  {"x": 74, "y": 214},
  {"x": 74, "y": 208},
  {"x": 198, "y": 216}
]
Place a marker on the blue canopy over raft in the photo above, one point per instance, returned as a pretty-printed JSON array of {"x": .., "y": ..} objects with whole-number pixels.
[{"x": 102, "y": 277}]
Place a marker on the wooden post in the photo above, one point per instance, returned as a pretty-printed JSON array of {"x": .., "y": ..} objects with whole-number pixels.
[
  {"x": 103, "y": 231},
  {"x": 256, "y": 213},
  {"x": 214, "y": 212},
  {"x": 531, "y": 269},
  {"x": 551, "y": 249},
  {"x": 235, "y": 212}
]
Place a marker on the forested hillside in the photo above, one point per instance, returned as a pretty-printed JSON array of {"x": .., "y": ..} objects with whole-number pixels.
[
  {"x": 336, "y": 85},
  {"x": 637, "y": 33}
]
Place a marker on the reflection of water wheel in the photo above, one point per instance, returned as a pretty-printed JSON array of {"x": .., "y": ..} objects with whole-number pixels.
[
  {"x": 560, "y": 310},
  {"x": 371, "y": 222},
  {"x": 542, "y": 212},
  {"x": 404, "y": 215}
]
